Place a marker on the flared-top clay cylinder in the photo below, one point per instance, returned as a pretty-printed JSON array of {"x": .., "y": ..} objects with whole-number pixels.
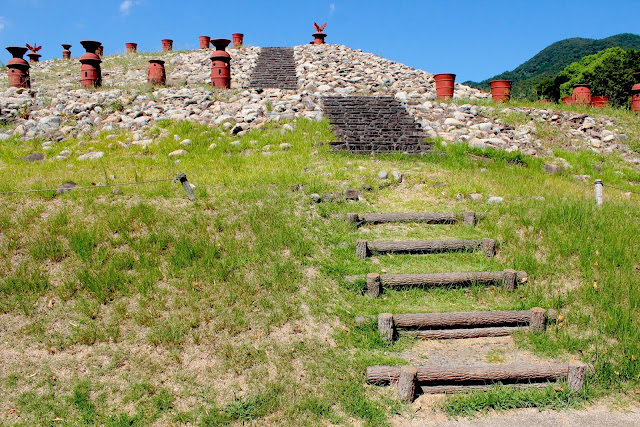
[
  {"x": 18, "y": 68},
  {"x": 318, "y": 38},
  {"x": 167, "y": 45},
  {"x": 501, "y": 90},
  {"x": 204, "y": 42},
  {"x": 635, "y": 94},
  {"x": 567, "y": 100},
  {"x": 238, "y": 39},
  {"x": 66, "y": 53},
  {"x": 34, "y": 57},
  {"x": 90, "y": 72},
  {"x": 582, "y": 95},
  {"x": 131, "y": 47},
  {"x": 599, "y": 101},
  {"x": 445, "y": 85},
  {"x": 220, "y": 64},
  {"x": 157, "y": 74}
]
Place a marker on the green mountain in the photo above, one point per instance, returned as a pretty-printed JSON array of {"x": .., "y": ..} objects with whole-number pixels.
[{"x": 553, "y": 59}]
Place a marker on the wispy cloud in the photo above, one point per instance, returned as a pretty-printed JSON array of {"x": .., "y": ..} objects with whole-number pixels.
[
  {"x": 3, "y": 23},
  {"x": 332, "y": 8},
  {"x": 126, "y": 6}
]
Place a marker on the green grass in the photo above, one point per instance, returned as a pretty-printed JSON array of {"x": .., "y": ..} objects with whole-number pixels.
[{"x": 148, "y": 308}]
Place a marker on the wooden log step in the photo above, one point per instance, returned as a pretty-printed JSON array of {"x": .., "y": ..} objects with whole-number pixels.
[
  {"x": 376, "y": 282},
  {"x": 450, "y": 389},
  {"x": 469, "y": 218},
  {"x": 457, "y": 378},
  {"x": 365, "y": 248},
  {"x": 456, "y": 325}
]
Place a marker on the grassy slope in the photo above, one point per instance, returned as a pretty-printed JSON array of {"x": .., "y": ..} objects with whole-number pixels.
[
  {"x": 143, "y": 307},
  {"x": 554, "y": 58}
]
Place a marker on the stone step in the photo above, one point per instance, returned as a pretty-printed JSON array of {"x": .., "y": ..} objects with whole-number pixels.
[
  {"x": 276, "y": 68},
  {"x": 373, "y": 124}
]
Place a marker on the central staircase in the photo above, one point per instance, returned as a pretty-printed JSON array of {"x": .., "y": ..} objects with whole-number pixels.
[{"x": 276, "y": 68}]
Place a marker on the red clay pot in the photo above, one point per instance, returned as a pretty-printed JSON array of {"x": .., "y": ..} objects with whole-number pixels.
[
  {"x": 90, "y": 72},
  {"x": 34, "y": 57},
  {"x": 204, "y": 42},
  {"x": 582, "y": 95},
  {"x": 445, "y": 84},
  {"x": 18, "y": 67},
  {"x": 131, "y": 47},
  {"x": 66, "y": 53},
  {"x": 501, "y": 90},
  {"x": 238, "y": 39},
  {"x": 318, "y": 38},
  {"x": 599, "y": 101},
  {"x": 167, "y": 45},
  {"x": 157, "y": 75},
  {"x": 221, "y": 64},
  {"x": 635, "y": 94},
  {"x": 567, "y": 100}
]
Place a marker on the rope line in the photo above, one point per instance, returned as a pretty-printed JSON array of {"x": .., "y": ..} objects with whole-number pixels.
[
  {"x": 87, "y": 187},
  {"x": 621, "y": 189}
]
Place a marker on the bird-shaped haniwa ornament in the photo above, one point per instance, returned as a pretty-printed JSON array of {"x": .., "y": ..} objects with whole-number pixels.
[
  {"x": 319, "y": 28},
  {"x": 35, "y": 48}
]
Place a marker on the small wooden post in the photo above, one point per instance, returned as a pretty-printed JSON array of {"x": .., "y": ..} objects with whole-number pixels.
[
  {"x": 509, "y": 281},
  {"x": 361, "y": 249},
  {"x": 407, "y": 383},
  {"x": 577, "y": 375},
  {"x": 469, "y": 218},
  {"x": 353, "y": 218},
  {"x": 538, "y": 321},
  {"x": 489, "y": 247},
  {"x": 386, "y": 326},
  {"x": 185, "y": 184},
  {"x": 599, "y": 196},
  {"x": 373, "y": 284}
]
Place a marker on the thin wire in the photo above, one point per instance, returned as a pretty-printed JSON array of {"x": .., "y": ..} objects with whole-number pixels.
[
  {"x": 86, "y": 187},
  {"x": 621, "y": 189}
]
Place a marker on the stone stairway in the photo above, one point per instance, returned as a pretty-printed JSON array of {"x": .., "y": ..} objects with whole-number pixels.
[
  {"x": 276, "y": 68},
  {"x": 373, "y": 124}
]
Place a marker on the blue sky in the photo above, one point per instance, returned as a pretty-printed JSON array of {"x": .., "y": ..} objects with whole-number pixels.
[{"x": 474, "y": 39}]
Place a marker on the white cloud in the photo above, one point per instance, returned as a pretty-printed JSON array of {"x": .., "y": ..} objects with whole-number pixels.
[
  {"x": 332, "y": 8},
  {"x": 125, "y": 6},
  {"x": 3, "y": 23}
]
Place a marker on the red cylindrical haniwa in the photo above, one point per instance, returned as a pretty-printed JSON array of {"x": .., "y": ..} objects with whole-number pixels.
[
  {"x": 445, "y": 84},
  {"x": 131, "y": 47},
  {"x": 635, "y": 94},
  {"x": 599, "y": 101},
  {"x": 167, "y": 45},
  {"x": 204, "y": 42},
  {"x": 66, "y": 53},
  {"x": 90, "y": 73},
  {"x": 221, "y": 65},
  {"x": 157, "y": 75},
  {"x": 18, "y": 68},
  {"x": 238, "y": 39},
  {"x": 567, "y": 100},
  {"x": 318, "y": 38},
  {"x": 34, "y": 57},
  {"x": 501, "y": 90},
  {"x": 582, "y": 95}
]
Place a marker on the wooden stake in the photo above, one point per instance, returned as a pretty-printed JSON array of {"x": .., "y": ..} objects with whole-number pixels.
[
  {"x": 362, "y": 249},
  {"x": 373, "y": 284},
  {"x": 469, "y": 218},
  {"x": 386, "y": 326},
  {"x": 489, "y": 247},
  {"x": 538, "y": 321},
  {"x": 185, "y": 184},
  {"x": 407, "y": 383},
  {"x": 509, "y": 281},
  {"x": 577, "y": 375}
]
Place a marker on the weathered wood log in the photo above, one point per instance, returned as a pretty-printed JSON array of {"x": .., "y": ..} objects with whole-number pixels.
[
  {"x": 374, "y": 285},
  {"x": 455, "y": 334},
  {"x": 364, "y": 248},
  {"x": 577, "y": 375},
  {"x": 407, "y": 383},
  {"x": 469, "y": 218},
  {"x": 385, "y": 326},
  {"x": 460, "y": 374},
  {"x": 538, "y": 319},
  {"x": 445, "y": 389},
  {"x": 468, "y": 319},
  {"x": 508, "y": 278}
]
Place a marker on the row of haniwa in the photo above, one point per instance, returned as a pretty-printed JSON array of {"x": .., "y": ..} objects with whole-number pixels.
[
  {"x": 501, "y": 92},
  {"x": 91, "y": 73}
]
